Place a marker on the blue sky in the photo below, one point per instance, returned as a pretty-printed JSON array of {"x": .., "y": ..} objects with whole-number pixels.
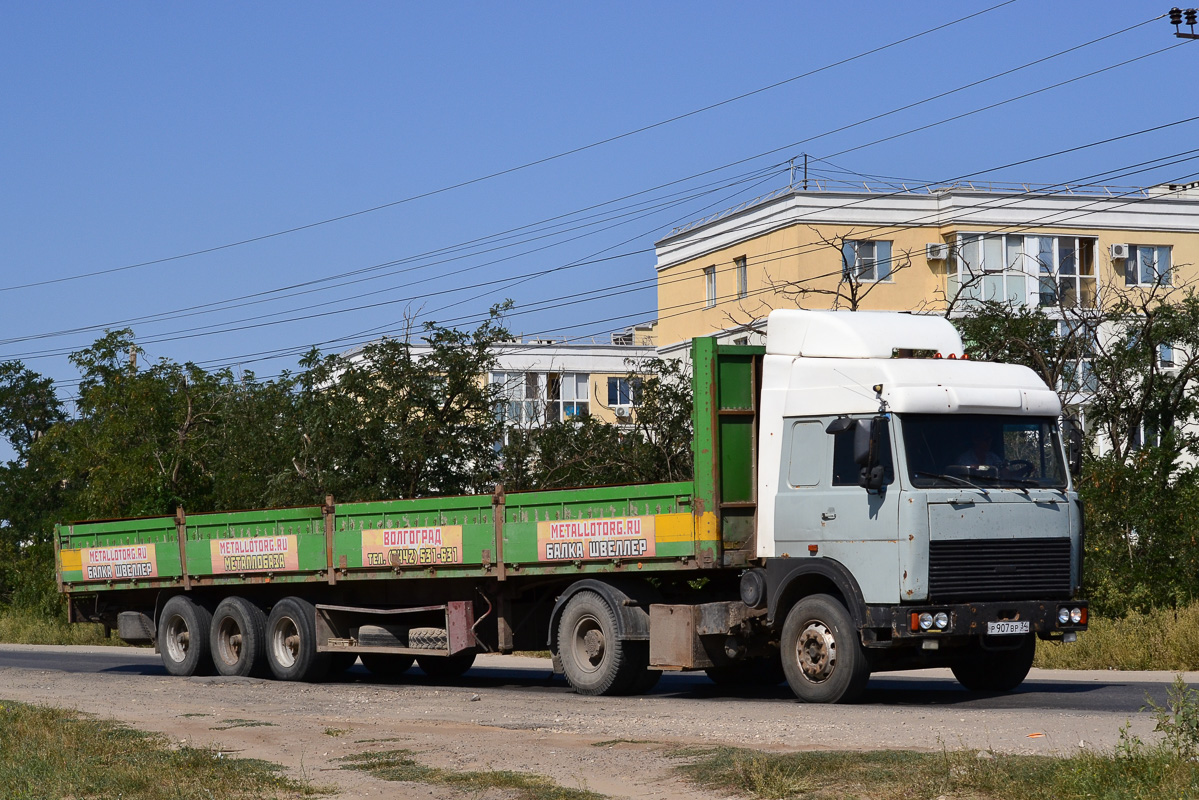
[{"x": 138, "y": 132}]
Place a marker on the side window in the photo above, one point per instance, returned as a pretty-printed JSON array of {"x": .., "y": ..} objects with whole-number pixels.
[
  {"x": 807, "y": 454},
  {"x": 846, "y": 470}
]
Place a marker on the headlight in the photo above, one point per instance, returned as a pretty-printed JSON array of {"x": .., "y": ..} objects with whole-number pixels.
[
  {"x": 926, "y": 621},
  {"x": 941, "y": 620},
  {"x": 1075, "y": 615},
  {"x": 1063, "y": 616}
]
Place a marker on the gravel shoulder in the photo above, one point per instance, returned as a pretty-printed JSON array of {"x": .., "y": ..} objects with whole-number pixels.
[{"x": 509, "y": 714}]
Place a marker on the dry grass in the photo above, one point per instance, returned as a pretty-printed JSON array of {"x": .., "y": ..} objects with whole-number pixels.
[
  {"x": 51, "y": 753},
  {"x": 1159, "y": 640},
  {"x": 903, "y": 775},
  {"x": 24, "y": 627},
  {"x": 399, "y": 765}
]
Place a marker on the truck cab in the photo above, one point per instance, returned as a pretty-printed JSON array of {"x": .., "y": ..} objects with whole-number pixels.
[{"x": 914, "y": 507}]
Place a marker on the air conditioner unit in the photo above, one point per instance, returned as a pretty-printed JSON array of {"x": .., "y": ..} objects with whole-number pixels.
[
  {"x": 1119, "y": 252},
  {"x": 622, "y": 412},
  {"x": 936, "y": 251}
]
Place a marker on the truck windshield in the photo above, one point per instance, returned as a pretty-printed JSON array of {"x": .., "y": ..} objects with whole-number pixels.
[{"x": 985, "y": 450}]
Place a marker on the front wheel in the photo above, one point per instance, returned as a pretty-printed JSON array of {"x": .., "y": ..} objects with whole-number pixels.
[
  {"x": 822, "y": 655},
  {"x": 291, "y": 642},
  {"x": 982, "y": 670}
]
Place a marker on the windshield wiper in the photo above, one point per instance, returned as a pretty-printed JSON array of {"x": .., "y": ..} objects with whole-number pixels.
[{"x": 951, "y": 478}]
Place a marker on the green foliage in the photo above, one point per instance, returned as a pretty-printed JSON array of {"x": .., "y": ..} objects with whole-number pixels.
[
  {"x": 1141, "y": 531},
  {"x": 1141, "y": 497},
  {"x": 396, "y": 420},
  {"x": 401, "y": 419},
  {"x": 1178, "y": 719}
]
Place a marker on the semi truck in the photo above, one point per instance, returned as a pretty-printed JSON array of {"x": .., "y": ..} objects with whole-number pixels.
[{"x": 865, "y": 498}]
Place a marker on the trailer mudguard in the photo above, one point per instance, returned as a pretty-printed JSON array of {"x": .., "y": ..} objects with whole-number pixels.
[
  {"x": 788, "y": 579},
  {"x": 630, "y": 600}
]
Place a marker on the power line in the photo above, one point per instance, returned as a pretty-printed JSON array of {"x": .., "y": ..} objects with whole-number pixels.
[
  {"x": 164, "y": 316},
  {"x": 508, "y": 170}
]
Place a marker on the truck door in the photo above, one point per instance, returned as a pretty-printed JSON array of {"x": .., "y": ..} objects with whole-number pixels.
[{"x": 820, "y": 505}]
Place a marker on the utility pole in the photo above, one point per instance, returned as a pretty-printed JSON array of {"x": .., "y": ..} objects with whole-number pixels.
[{"x": 1176, "y": 15}]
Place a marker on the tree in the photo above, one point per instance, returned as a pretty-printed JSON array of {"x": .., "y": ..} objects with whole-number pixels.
[{"x": 396, "y": 420}]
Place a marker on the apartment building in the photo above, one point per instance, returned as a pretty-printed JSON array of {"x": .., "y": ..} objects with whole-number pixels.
[{"x": 923, "y": 250}]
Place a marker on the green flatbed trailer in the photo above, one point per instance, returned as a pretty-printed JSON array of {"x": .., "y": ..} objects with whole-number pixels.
[{"x": 471, "y": 573}]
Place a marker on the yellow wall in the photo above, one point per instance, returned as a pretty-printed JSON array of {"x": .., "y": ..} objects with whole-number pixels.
[{"x": 801, "y": 255}]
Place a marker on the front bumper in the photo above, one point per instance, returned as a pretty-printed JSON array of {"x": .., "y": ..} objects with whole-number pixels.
[{"x": 970, "y": 619}]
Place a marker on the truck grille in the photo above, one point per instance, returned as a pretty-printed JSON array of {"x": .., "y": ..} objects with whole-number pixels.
[{"x": 1014, "y": 569}]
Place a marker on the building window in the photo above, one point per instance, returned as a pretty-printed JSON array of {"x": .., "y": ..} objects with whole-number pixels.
[
  {"x": 710, "y": 286},
  {"x": 1165, "y": 356},
  {"x": 1025, "y": 270},
  {"x": 1078, "y": 374},
  {"x": 620, "y": 393},
  {"x": 742, "y": 278},
  {"x": 867, "y": 262},
  {"x": 567, "y": 395},
  {"x": 527, "y": 399},
  {"x": 1147, "y": 266}
]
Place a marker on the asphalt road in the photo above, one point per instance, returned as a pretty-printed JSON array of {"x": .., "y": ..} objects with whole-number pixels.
[{"x": 1087, "y": 691}]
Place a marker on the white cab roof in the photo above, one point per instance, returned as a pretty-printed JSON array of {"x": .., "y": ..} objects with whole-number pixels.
[{"x": 857, "y": 334}]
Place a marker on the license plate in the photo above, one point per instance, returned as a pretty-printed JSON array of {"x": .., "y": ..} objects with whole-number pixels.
[{"x": 1007, "y": 626}]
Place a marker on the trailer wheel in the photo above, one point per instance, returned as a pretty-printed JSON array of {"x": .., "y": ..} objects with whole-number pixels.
[
  {"x": 821, "y": 653},
  {"x": 594, "y": 660},
  {"x": 238, "y": 636},
  {"x": 386, "y": 665},
  {"x": 441, "y": 667},
  {"x": 291, "y": 642},
  {"x": 982, "y": 670},
  {"x": 183, "y": 629}
]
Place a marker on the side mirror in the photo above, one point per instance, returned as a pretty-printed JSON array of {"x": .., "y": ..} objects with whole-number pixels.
[
  {"x": 1073, "y": 432},
  {"x": 866, "y": 452}
]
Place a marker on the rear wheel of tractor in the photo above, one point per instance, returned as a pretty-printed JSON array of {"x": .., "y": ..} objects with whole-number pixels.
[
  {"x": 386, "y": 665},
  {"x": 291, "y": 642},
  {"x": 441, "y": 667},
  {"x": 594, "y": 660},
  {"x": 238, "y": 637},
  {"x": 183, "y": 631},
  {"x": 982, "y": 670},
  {"x": 821, "y": 652}
]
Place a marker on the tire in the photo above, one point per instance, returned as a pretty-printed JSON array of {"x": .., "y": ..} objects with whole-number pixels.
[
  {"x": 386, "y": 665},
  {"x": 238, "y": 638},
  {"x": 446, "y": 666},
  {"x": 982, "y": 670},
  {"x": 291, "y": 642},
  {"x": 183, "y": 631},
  {"x": 821, "y": 653},
  {"x": 594, "y": 660},
  {"x": 750, "y": 673},
  {"x": 429, "y": 639}
]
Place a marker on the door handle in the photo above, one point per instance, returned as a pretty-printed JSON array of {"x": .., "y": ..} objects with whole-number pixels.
[{"x": 829, "y": 515}]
